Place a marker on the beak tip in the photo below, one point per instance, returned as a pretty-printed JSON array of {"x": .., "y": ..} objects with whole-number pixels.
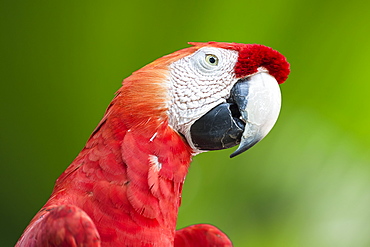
[
  {"x": 245, "y": 145},
  {"x": 234, "y": 154}
]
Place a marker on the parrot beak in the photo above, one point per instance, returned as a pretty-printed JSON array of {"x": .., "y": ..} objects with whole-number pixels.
[
  {"x": 245, "y": 118},
  {"x": 259, "y": 101}
]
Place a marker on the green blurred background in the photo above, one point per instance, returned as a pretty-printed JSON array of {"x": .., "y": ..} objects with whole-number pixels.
[{"x": 306, "y": 184}]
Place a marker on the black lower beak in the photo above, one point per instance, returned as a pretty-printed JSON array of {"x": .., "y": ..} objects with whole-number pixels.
[{"x": 219, "y": 128}]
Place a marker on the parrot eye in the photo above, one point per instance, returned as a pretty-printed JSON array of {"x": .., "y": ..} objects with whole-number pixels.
[{"x": 212, "y": 59}]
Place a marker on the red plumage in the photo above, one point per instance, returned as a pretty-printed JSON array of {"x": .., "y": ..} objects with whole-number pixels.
[
  {"x": 124, "y": 188},
  {"x": 201, "y": 235}
]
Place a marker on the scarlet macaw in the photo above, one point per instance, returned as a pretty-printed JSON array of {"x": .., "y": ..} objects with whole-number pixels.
[{"x": 124, "y": 187}]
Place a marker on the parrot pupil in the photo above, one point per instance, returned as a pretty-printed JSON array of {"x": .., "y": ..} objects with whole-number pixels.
[{"x": 211, "y": 59}]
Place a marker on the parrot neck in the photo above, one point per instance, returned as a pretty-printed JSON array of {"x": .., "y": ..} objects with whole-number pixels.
[
  {"x": 129, "y": 176},
  {"x": 128, "y": 179}
]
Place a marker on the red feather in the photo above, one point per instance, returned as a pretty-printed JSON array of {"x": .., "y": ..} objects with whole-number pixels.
[{"x": 201, "y": 235}]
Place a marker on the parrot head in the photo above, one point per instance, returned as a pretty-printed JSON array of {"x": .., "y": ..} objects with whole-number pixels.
[{"x": 215, "y": 95}]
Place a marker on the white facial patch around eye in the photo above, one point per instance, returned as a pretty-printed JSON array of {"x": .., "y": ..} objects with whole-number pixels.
[{"x": 197, "y": 86}]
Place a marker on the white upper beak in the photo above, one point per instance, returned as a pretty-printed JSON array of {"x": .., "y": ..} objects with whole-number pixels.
[{"x": 261, "y": 109}]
